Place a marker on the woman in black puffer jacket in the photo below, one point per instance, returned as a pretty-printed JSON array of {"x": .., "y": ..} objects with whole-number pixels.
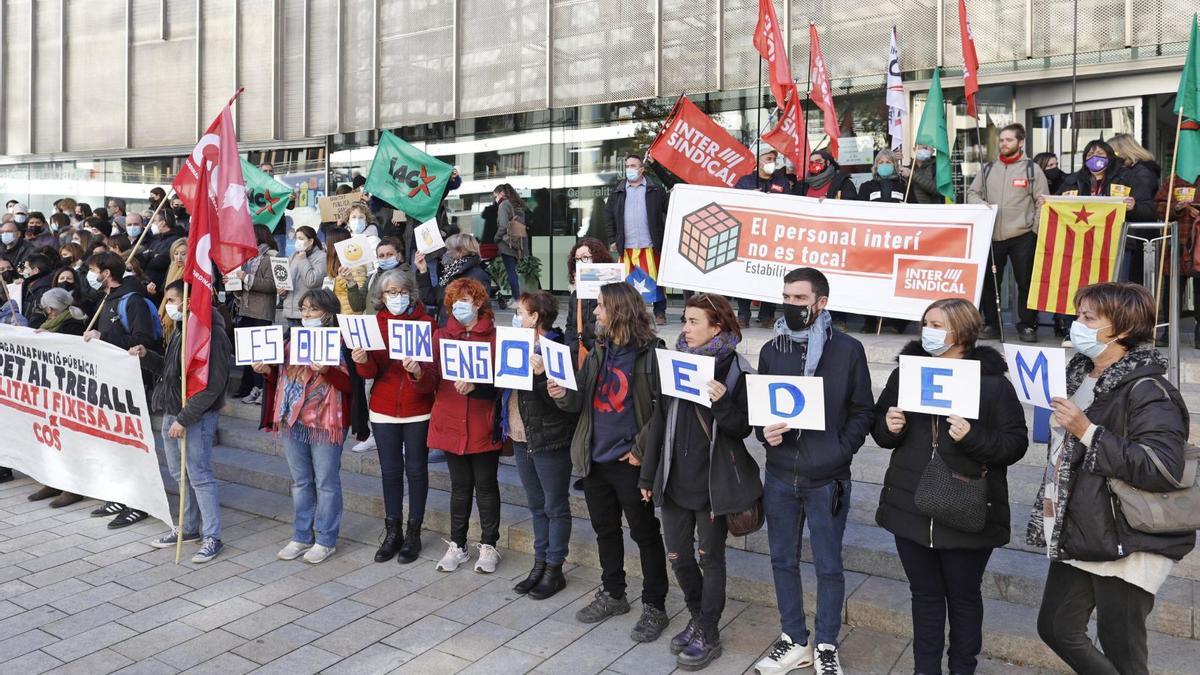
[
  {"x": 461, "y": 259},
  {"x": 945, "y": 565}
]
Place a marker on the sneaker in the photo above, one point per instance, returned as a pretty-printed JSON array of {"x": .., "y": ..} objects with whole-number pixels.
[
  {"x": 489, "y": 557},
  {"x": 827, "y": 660},
  {"x": 170, "y": 539},
  {"x": 1027, "y": 334},
  {"x": 601, "y": 608},
  {"x": 254, "y": 397},
  {"x": 365, "y": 446},
  {"x": 126, "y": 518},
  {"x": 651, "y": 625},
  {"x": 319, "y": 554},
  {"x": 785, "y": 656},
  {"x": 684, "y": 636},
  {"x": 109, "y": 510},
  {"x": 454, "y": 557},
  {"x": 293, "y": 550},
  {"x": 209, "y": 549}
]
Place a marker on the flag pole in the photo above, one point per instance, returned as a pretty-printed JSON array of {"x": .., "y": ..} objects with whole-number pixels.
[
  {"x": 991, "y": 247},
  {"x": 1162, "y": 254},
  {"x": 183, "y": 438},
  {"x": 132, "y": 252},
  {"x": 758, "y": 129}
]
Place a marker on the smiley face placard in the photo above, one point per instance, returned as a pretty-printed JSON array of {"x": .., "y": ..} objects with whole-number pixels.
[{"x": 356, "y": 252}]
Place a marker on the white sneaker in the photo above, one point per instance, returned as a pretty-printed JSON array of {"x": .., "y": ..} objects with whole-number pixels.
[
  {"x": 318, "y": 554},
  {"x": 489, "y": 557},
  {"x": 785, "y": 656},
  {"x": 827, "y": 660},
  {"x": 454, "y": 557},
  {"x": 365, "y": 446},
  {"x": 293, "y": 550},
  {"x": 254, "y": 397}
]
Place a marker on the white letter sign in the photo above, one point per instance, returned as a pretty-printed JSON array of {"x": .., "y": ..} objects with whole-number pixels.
[
  {"x": 410, "y": 340},
  {"x": 559, "y": 367},
  {"x": 258, "y": 344},
  {"x": 685, "y": 376},
  {"x": 361, "y": 331},
  {"x": 798, "y": 402},
  {"x": 315, "y": 347},
  {"x": 1038, "y": 374},
  {"x": 466, "y": 361},
  {"x": 514, "y": 346},
  {"x": 939, "y": 386}
]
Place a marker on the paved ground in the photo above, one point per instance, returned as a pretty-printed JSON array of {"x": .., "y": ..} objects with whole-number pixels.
[{"x": 77, "y": 597}]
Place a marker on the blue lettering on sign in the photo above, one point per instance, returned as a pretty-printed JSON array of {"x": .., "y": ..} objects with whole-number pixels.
[
  {"x": 482, "y": 355},
  {"x": 451, "y": 359},
  {"x": 357, "y": 334},
  {"x": 332, "y": 345},
  {"x": 773, "y": 391},
  {"x": 683, "y": 381},
  {"x": 556, "y": 366},
  {"x": 1039, "y": 364},
  {"x": 929, "y": 388},
  {"x": 304, "y": 348},
  {"x": 521, "y": 349},
  {"x": 467, "y": 362},
  {"x": 411, "y": 340}
]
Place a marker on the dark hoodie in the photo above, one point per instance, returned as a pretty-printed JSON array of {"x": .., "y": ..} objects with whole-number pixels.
[
  {"x": 166, "y": 398},
  {"x": 156, "y": 258}
]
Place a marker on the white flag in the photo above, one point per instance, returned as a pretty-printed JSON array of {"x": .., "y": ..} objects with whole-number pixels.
[{"x": 897, "y": 102}]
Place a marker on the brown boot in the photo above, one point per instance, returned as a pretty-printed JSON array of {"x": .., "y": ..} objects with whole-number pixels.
[
  {"x": 44, "y": 492},
  {"x": 65, "y": 499}
]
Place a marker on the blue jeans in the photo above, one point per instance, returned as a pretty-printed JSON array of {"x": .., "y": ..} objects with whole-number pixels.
[
  {"x": 514, "y": 282},
  {"x": 201, "y": 503},
  {"x": 403, "y": 453},
  {"x": 786, "y": 508},
  {"x": 316, "y": 489},
  {"x": 546, "y": 476}
]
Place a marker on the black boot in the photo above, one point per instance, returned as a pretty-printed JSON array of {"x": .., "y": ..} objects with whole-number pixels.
[
  {"x": 535, "y": 575},
  {"x": 704, "y": 647},
  {"x": 412, "y": 543},
  {"x": 551, "y": 582},
  {"x": 6, "y": 474},
  {"x": 392, "y": 541}
]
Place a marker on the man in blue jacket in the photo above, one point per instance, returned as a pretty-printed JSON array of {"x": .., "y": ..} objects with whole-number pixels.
[{"x": 808, "y": 472}]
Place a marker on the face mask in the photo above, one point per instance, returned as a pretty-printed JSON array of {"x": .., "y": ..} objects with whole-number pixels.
[
  {"x": 312, "y": 323},
  {"x": 933, "y": 341},
  {"x": 924, "y": 155},
  {"x": 799, "y": 317},
  {"x": 463, "y": 310},
  {"x": 398, "y": 304},
  {"x": 632, "y": 174},
  {"x": 816, "y": 167},
  {"x": 20, "y": 218},
  {"x": 386, "y": 264},
  {"x": 93, "y": 279},
  {"x": 1096, "y": 164},
  {"x": 8, "y": 275},
  {"x": 517, "y": 322},
  {"x": 301, "y": 244},
  {"x": 67, "y": 285},
  {"x": 885, "y": 170},
  {"x": 135, "y": 231},
  {"x": 26, "y": 273},
  {"x": 53, "y": 226},
  {"x": 358, "y": 225},
  {"x": 1085, "y": 341},
  {"x": 180, "y": 212},
  {"x": 8, "y": 238},
  {"x": 174, "y": 312},
  {"x": 1054, "y": 174},
  {"x": 769, "y": 167}
]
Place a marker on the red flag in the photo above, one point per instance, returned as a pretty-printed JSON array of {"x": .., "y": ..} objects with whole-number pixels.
[
  {"x": 790, "y": 135},
  {"x": 822, "y": 92},
  {"x": 699, "y": 150},
  {"x": 221, "y": 232},
  {"x": 768, "y": 40},
  {"x": 970, "y": 60}
]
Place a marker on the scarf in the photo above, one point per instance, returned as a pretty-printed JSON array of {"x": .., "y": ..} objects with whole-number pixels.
[
  {"x": 815, "y": 335},
  {"x": 251, "y": 266},
  {"x": 52, "y": 325},
  {"x": 452, "y": 267},
  {"x": 724, "y": 343},
  {"x": 1012, "y": 160},
  {"x": 819, "y": 179},
  {"x": 308, "y": 407}
]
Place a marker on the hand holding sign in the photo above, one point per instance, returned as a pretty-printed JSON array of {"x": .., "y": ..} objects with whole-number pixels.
[
  {"x": 1038, "y": 374},
  {"x": 796, "y": 402},
  {"x": 685, "y": 376},
  {"x": 939, "y": 386},
  {"x": 356, "y": 251},
  {"x": 429, "y": 237}
]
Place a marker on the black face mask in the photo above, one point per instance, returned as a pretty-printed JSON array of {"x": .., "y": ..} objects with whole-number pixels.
[
  {"x": 180, "y": 212},
  {"x": 9, "y": 276},
  {"x": 1054, "y": 174},
  {"x": 67, "y": 285},
  {"x": 799, "y": 317}
]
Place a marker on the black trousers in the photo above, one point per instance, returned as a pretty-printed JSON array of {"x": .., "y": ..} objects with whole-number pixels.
[
  {"x": 1121, "y": 610},
  {"x": 1019, "y": 251},
  {"x": 474, "y": 475},
  {"x": 945, "y": 581},
  {"x": 611, "y": 489},
  {"x": 703, "y": 583}
]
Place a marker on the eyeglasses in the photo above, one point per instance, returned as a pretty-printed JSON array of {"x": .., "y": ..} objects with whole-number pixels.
[
  {"x": 395, "y": 294},
  {"x": 583, "y": 258},
  {"x": 708, "y": 298}
]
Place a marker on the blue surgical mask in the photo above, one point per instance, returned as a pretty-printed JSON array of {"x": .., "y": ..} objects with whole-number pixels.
[
  {"x": 632, "y": 174},
  {"x": 8, "y": 238},
  {"x": 1085, "y": 340},
  {"x": 923, "y": 155},
  {"x": 134, "y": 231},
  {"x": 358, "y": 225},
  {"x": 312, "y": 323},
  {"x": 463, "y": 310},
  {"x": 398, "y": 304},
  {"x": 933, "y": 341},
  {"x": 93, "y": 279},
  {"x": 517, "y": 322},
  {"x": 885, "y": 170},
  {"x": 20, "y": 218},
  {"x": 388, "y": 263}
]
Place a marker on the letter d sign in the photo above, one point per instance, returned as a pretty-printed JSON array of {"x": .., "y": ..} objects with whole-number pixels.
[{"x": 780, "y": 391}]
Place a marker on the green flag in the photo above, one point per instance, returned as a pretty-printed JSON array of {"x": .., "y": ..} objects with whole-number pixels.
[
  {"x": 267, "y": 196},
  {"x": 1187, "y": 104},
  {"x": 932, "y": 132},
  {"x": 407, "y": 178}
]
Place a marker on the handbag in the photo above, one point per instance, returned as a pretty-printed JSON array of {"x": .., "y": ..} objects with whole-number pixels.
[
  {"x": 752, "y": 519},
  {"x": 950, "y": 498},
  {"x": 515, "y": 235}
]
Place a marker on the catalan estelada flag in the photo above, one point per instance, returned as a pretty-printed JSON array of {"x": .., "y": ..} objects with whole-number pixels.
[{"x": 1079, "y": 243}]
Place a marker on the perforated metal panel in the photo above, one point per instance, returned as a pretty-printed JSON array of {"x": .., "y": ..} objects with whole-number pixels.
[
  {"x": 358, "y": 65},
  {"x": 255, "y": 49},
  {"x": 1101, "y": 26},
  {"x": 291, "y": 72},
  {"x": 690, "y": 60},
  {"x": 16, "y": 79},
  {"x": 502, "y": 57},
  {"x": 603, "y": 51},
  {"x": 162, "y": 78},
  {"x": 416, "y": 61},
  {"x": 998, "y": 29},
  {"x": 855, "y": 37},
  {"x": 91, "y": 126},
  {"x": 322, "y": 104},
  {"x": 740, "y": 62},
  {"x": 1158, "y": 22},
  {"x": 218, "y": 80},
  {"x": 46, "y": 78}
]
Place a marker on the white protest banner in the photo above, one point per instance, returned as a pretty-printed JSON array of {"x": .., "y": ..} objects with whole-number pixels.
[
  {"x": 361, "y": 331},
  {"x": 75, "y": 418},
  {"x": 514, "y": 346},
  {"x": 315, "y": 347},
  {"x": 410, "y": 340},
  {"x": 258, "y": 344},
  {"x": 281, "y": 272},
  {"x": 1038, "y": 374},
  {"x": 466, "y": 361},
  {"x": 685, "y": 376},
  {"x": 589, "y": 277},
  {"x": 357, "y": 251},
  {"x": 939, "y": 386},
  {"x": 559, "y": 367},
  {"x": 881, "y": 259},
  {"x": 798, "y": 402},
  {"x": 429, "y": 237}
]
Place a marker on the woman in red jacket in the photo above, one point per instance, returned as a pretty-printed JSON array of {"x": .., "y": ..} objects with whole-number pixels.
[
  {"x": 400, "y": 421},
  {"x": 463, "y": 426}
]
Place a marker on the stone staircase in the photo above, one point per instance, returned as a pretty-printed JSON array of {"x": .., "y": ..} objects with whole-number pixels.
[{"x": 876, "y": 589}]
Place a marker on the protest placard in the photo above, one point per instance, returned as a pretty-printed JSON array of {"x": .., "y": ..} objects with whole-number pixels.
[
  {"x": 939, "y": 386},
  {"x": 258, "y": 344},
  {"x": 281, "y": 273},
  {"x": 357, "y": 251},
  {"x": 1038, "y": 374},
  {"x": 514, "y": 346},
  {"x": 798, "y": 402},
  {"x": 410, "y": 340},
  {"x": 429, "y": 237},
  {"x": 361, "y": 331},
  {"x": 589, "y": 277},
  {"x": 315, "y": 346},
  {"x": 336, "y": 207},
  {"x": 559, "y": 368},
  {"x": 685, "y": 376},
  {"x": 466, "y": 361}
]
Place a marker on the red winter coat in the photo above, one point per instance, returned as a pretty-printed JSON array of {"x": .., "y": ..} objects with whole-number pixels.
[
  {"x": 461, "y": 425},
  {"x": 395, "y": 392}
]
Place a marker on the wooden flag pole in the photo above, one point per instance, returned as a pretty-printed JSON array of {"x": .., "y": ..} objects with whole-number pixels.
[
  {"x": 1162, "y": 255},
  {"x": 182, "y": 439},
  {"x": 132, "y": 252}
]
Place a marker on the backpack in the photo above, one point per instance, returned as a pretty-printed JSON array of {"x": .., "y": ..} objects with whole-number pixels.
[
  {"x": 516, "y": 234},
  {"x": 987, "y": 169},
  {"x": 155, "y": 319}
]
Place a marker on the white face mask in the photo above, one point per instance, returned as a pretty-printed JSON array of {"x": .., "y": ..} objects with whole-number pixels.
[
  {"x": 301, "y": 244},
  {"x": 769, "y": 167},
  {"x": 93, "y": 279},
  {"x": 933, "y": 341},
  {"x": 312, "y": 323},
  {"x": 358, "y": 225},
  {"x": 174, "y": 312}
]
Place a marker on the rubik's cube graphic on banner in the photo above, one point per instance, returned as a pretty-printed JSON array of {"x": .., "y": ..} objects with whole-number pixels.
[{"x": 709, "y": 238}]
